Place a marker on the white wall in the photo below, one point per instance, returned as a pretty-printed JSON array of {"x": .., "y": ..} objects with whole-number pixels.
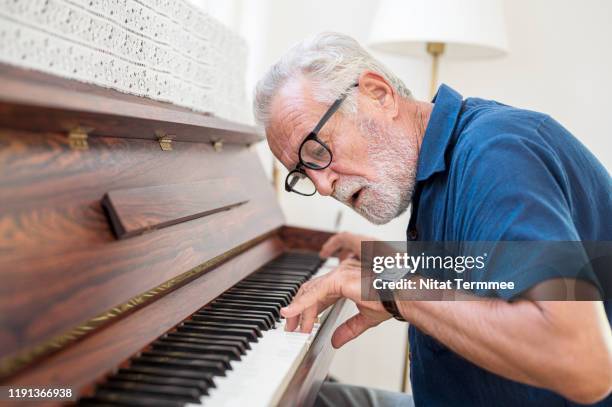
[{"x": 559, "y": 62}]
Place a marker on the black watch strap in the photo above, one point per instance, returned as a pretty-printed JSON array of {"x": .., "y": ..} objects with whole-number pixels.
[{"x": 388, "y": 301}]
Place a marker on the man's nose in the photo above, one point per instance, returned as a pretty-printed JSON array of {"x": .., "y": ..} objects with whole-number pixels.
[{"x": 323, "y": 179}]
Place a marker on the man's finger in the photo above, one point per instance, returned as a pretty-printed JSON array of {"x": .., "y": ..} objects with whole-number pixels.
[
  {"x": 311, "y": 293},
  {"x": 299, "y": 304},
  {"x": 345, "y": 254},
  {"x": 309, "y": 317},
  {"x": 332, "y": 245},
  {"x": 350, "y": 329},
  {"x": 292, "y": 323}
]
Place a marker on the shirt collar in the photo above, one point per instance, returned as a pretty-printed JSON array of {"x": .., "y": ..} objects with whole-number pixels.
[{"x": 447, "y": 105}]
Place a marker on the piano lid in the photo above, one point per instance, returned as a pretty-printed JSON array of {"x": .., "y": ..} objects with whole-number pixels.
[{"x": 31, "y": 100}]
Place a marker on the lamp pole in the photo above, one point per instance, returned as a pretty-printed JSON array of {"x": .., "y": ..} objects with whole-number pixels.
[
  {"x": 435, "y": 49},
  {"x": 276, "y": 178}
]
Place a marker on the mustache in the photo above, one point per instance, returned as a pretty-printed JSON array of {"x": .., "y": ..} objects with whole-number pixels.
[{"x": 347, "y": 186}]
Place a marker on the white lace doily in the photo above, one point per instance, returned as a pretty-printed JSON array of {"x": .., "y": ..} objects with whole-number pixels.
[{"x": 166, "y": 50}]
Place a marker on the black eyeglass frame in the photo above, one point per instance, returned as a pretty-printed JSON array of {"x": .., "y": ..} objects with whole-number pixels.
[{"x": 313, "y": 135}]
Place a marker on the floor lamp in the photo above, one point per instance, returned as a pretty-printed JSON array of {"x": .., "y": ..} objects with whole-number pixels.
[{"x": 449, "y": 28}]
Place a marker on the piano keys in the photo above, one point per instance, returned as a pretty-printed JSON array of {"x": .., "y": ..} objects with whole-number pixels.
[{"x": 219, "y": 350}]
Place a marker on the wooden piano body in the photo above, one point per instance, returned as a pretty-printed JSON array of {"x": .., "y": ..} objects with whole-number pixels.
[{"x": 189, "y": 212}]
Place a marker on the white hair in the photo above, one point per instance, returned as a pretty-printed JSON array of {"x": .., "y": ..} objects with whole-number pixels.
[{"x": 332, "y": 62}]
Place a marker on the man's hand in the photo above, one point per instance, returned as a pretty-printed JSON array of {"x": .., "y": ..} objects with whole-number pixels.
[
  {"x": 319, "y": 293},
  {"x": 345, "y": 245}
]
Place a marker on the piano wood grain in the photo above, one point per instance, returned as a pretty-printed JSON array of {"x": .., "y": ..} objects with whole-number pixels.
[
  {"x": 304, "y": 239},
  {"x": 135, "y": 211},
  {"x": 80, "y": 366},
  {"x": 60, "y": 263}
]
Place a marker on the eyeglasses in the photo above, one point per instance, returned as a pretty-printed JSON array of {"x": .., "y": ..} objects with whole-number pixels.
[{"x": 313, "y": 154}]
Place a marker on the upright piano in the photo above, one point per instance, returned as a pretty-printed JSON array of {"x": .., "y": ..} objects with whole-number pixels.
[{"x": 143, "y": 255}]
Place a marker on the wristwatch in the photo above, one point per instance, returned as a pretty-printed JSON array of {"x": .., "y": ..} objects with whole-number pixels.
[{"x": 388, "y": 301}]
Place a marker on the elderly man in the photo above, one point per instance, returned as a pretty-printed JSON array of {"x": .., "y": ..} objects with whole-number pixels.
[{"x": 473, "y": 170}]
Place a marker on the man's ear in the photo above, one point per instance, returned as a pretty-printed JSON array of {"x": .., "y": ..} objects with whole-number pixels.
[{"x": 380, "y": 92}]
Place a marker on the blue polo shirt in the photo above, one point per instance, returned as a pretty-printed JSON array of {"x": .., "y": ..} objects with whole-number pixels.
[{"x": 492, "y": 172}]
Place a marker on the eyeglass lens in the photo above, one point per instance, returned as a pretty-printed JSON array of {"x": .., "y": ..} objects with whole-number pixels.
[
  {"x": 300, "y": 183},
  {"x": 315, "y": 155}
]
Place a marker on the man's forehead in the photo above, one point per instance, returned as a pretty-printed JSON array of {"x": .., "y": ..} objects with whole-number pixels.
[{"x": 293, "y": 113}]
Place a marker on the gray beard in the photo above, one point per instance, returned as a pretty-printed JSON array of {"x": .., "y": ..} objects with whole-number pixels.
[{"x": 394, "y": 158}]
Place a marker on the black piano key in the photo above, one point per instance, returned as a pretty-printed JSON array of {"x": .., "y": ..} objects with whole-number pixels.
[
  {"x": 299, "y": 264},
  {"x": 266, "y": 316},
  {"x": 276, "y": 291},
  {"x": 273, "y": 280},
  {"x": 291, "y": 279},
  {"x": 136, "y": 400},
  {"x": 259, "y": 286},
  {"x": 272, "y": 309},
  {"x": 284, "y": 273},
  {"x": 270, "y": 283},
  {"x": 280, "y": 297},
  {"x": 164, "y": 344},
  {"x": 222, "y": 325},
  {"x": 252, "y": 328},
  {"x": 207, "y": 377},
  {"x": 266, "y": 278},
  {"x": 200, "y": 385},
  {"x": 277, "y": 286},
  {"x": 264, "y": 321},
  {"x": 278, "y": 294},
  {"x": 293, "y": 265},
  {"x": 216, "y": 368},
  {"x": 267, "y": 286},
  {"x": 290, "y": 268},
  {"x": 200, "y": 337},
  {"x": 255, "y": 297},
  {"x": 261, "y": 305},
  {"x": 302, "y": 256},
  {"x": 285, "y": 278},
  {"x": 177, "y": 393},
  {"x": 222, "y": 312},
  {"x": 221, "y": 331},
  {"x": 259, "y": 322},
  {"x": 269, "y": 306},
  {"x": 278, "y": 281},
  {"x": 224, "y": 360}
]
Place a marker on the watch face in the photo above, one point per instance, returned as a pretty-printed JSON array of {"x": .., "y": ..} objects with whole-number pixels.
[{"x": 394, "y": 274}]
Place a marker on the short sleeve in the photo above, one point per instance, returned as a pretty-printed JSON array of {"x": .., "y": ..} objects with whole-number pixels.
[{"x": 513, "y": 188}]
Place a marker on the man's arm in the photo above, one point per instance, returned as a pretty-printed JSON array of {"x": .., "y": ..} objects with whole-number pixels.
[
  {"x": 559, "y": 345},
  {"x": 562, "y": 346}
]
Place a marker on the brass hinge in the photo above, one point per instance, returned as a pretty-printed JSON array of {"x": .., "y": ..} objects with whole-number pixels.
[
  {"x": 218, "y": 145},
  {"x": 165, "y": 143},
  {"x": 77, "y": 138},
  {"x": 164, "y": 140}
]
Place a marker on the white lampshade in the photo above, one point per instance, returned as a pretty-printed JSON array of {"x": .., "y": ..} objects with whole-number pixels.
[{"x": 469, "y": 28}]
